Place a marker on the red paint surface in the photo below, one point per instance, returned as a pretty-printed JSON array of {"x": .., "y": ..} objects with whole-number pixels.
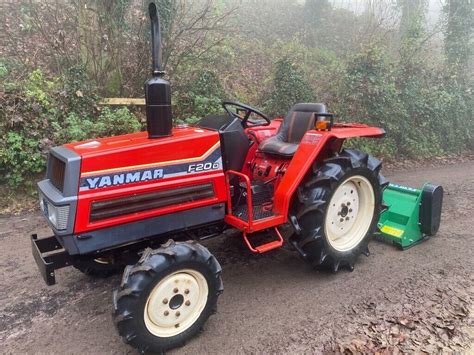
[{"x": 122, "y": 153}]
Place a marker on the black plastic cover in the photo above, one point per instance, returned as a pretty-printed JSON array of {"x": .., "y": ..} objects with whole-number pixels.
[
  {"x": 159, "y": 117},
  {"x": 234, "y": 145},
  {"x": 430, "y": 209}
]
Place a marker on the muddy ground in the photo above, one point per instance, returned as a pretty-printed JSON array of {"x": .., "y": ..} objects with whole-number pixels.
[{"x": 417, "y": 300}]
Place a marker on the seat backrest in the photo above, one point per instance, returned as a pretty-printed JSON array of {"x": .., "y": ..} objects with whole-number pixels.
[{"x": 300, "y": 119}]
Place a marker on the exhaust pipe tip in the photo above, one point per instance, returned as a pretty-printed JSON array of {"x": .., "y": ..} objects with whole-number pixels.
[{"x": 159, "y": 116}]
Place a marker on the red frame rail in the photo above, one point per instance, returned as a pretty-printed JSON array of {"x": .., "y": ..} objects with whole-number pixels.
[
  {"x": 249, "y": 195},
  {"x": 250, "y": 225}
]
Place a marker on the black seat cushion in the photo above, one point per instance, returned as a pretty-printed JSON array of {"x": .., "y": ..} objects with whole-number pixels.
[
  {"x": 300, "y": 119},
  {"x": 274, "y": 145}
]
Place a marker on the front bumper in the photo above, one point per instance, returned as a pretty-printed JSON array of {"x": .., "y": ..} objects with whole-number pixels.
[{"x": 49, "y": 256}]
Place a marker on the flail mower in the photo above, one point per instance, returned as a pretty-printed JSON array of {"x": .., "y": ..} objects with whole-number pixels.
[{"x": 141, "y": 203}]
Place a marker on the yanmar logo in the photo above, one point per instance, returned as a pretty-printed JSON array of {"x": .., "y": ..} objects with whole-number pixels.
[
  {"x": 212, "y": 161},
  {"x": 120, "y": 179}
]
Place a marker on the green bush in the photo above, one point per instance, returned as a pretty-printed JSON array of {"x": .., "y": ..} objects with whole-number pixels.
[
  {"x": 38, "y": 113},
  {"x": 290, "y": 87},
  {"x": 201, "y": 98},
  {"x": 423, "y": 112}
]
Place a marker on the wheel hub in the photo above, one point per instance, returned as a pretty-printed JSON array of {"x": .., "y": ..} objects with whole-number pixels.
[
  {"x": 175, "y": 303},
  {"x": 344, "y": 210},
  {"x": 349, "y": 213}
]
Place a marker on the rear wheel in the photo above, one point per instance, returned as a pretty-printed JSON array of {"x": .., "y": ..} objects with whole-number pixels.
[
  {"x": 166, "y": 298},
  {"x": 338, "y": 208},
  {"x": 99, "y": 267}
]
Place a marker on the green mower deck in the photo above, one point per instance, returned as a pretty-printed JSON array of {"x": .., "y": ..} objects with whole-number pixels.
[{"x": 412, "y": 215}]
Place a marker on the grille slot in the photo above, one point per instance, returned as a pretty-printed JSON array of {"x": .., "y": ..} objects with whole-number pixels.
[
  {"x": 138, "y": 203},
  {"x": 58, "y": 168}
]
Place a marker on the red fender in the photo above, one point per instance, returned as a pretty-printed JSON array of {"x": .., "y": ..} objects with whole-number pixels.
[{"x": 314, "y": 147}]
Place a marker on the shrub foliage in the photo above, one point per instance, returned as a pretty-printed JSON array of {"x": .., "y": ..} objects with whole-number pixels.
[
  {"x": 39, "y": 113},
  {"x": 385, "y": 66}
]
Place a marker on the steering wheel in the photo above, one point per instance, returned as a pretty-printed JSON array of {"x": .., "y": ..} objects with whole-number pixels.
[{"x": 248, "y": 111}]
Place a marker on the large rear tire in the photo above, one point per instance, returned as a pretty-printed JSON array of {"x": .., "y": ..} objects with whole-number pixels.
[
  {"x": 166, "y": 298},
  {"x": 338, "y": 208}
]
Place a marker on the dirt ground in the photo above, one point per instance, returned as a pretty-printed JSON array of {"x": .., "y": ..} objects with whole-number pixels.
[{"x": 417, "y": 300}]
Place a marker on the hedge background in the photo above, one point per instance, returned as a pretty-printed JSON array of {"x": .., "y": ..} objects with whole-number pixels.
[{"x": 385, "y": 63}]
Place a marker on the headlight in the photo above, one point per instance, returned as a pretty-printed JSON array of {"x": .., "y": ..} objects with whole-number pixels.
[
  {"x": 58, "y": 216},
  {"x": 42, "y": 204}
]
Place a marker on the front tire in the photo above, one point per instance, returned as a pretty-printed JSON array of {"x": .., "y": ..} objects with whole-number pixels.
[
  {"x": 166, "y": 298},
  {"x": 338, "y": 209}
]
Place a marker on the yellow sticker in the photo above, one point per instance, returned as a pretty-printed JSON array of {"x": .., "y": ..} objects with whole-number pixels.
[{"x": 395, "y": 232}]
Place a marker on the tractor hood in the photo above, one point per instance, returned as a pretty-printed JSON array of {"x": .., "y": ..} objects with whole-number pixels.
[{"x": 132, "y": 152}]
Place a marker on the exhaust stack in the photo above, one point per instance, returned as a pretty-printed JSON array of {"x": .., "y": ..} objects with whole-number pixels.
[{"x": 159, "y": 118}]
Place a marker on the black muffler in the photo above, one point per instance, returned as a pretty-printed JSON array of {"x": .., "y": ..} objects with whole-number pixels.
[{"x": 159, "y": 118}]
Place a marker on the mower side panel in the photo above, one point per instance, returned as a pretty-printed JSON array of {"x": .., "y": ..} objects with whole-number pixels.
[{"x": 314, "y": 147}]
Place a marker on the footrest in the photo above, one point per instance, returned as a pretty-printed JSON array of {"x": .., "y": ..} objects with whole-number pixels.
[{"x": 267, "y": 246}]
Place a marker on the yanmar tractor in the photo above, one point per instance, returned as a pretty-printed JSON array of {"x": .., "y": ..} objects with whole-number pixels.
[{"x": 143, "y": 201}]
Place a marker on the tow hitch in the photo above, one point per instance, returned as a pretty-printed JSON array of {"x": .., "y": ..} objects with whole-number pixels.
[{"x": 49, "y": 256}]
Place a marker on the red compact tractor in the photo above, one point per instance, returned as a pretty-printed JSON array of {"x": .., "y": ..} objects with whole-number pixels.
[{"x": 142, "y": 202}]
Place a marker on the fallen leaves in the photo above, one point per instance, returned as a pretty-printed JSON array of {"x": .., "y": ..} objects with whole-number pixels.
[{"x": 431, "y": 316}]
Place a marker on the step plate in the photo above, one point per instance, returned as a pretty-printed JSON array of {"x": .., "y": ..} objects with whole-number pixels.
[{"x": 258, "y": 212}]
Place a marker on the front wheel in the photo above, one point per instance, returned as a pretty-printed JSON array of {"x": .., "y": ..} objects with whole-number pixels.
[
  {"x": 338, "y": 209},
  {"x": 166, "y": 298}
]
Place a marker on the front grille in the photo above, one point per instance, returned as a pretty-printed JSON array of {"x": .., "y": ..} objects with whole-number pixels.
[
  {"x": 138, "y": 203},
  {"x": 57, "y": 170}
]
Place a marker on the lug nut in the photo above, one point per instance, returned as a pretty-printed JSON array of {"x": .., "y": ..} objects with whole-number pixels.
[
  {"x": 347, "y": 218},
  {"x": 187, "y": 303},
  {"x": 341, "y": 220},
  {"x": 350, "y": 209},
  {"x": 165, "y": 301},
  {"x": 348, "y": 203},
  {"x": 178, "y": 314},
  {"x": 186, "y": 291},
  {"x": 166, "y": 313},
  {"x": 175, "y": 290}
]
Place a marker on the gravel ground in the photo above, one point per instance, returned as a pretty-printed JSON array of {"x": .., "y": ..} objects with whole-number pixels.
[{"x": 419, "y": 300}]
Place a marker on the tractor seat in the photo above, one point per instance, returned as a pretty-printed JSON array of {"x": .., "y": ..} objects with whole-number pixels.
[{"x": 299, "y": 120}]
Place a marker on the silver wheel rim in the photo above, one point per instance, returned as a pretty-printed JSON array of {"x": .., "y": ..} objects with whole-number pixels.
[
  {"x": 175, "y": 303},
  {"x": 350, "y": 213}
]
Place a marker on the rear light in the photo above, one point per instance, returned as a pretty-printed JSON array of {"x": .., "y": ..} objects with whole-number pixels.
[
  {"x": 56, "y": 173},
  {"x": 323, "y": 125}
]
